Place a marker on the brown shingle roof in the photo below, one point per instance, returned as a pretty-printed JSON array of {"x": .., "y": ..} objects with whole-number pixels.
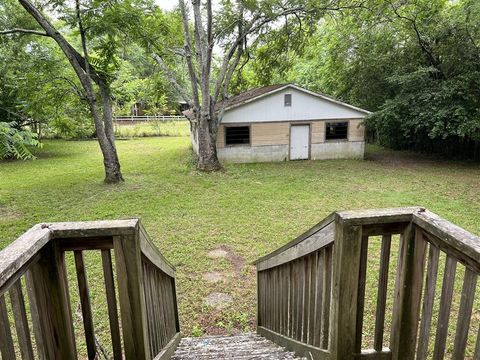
[{"x": 243, "y": 97}]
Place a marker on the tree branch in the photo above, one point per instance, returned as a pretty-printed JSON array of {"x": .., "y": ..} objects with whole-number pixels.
[
  {"x": 24, "y": 32},
  {"x": 171, "y": 77}
]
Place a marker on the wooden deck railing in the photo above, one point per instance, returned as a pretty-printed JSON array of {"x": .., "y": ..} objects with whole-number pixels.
[
  {"x": 312, "y": 292},
  {"x": 33, "y": 272}
]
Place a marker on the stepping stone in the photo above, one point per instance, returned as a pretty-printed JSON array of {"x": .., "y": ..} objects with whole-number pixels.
[
  {"x": 214, "y": 277},
  {"x": 218, "y": 253},
  {"x": 218, "y": 300}
]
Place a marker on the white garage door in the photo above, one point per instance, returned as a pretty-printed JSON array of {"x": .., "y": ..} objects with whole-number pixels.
[{"x": 299, "y": 142}]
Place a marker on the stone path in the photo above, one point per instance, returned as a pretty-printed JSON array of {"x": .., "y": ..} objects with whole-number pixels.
[
  {"x": 219, "y": 300},
  {"x": 242, "y": 347}
]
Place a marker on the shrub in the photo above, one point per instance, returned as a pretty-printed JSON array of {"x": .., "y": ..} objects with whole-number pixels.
[{"x": 15, "y": 143}]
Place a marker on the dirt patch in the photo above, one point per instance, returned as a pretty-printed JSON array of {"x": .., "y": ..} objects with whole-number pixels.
[
  {"x": 8, "y": 214},
  {"x": 225, "y": 252},
  {"x": 218, "y": 300}
]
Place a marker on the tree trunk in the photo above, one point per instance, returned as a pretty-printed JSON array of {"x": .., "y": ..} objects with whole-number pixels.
[
  {"x": 110, "y": 156},
  {"x": 81, "y": 66},
  {"x": 207, "y": 149}
]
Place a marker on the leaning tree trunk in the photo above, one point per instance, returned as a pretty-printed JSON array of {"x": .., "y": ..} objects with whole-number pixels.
[
  {"x": 207, "y": 149},
  {"x": 81, "y": 66},
  {"x": 110, "y": 156}
]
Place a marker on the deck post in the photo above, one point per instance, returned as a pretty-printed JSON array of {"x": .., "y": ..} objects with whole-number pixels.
[
  {"x": 347, "y": 260},
  {"x": 131, "y": 295},
  {"x": 50, "y": 289},
  {"x": 408, "y": 292}
]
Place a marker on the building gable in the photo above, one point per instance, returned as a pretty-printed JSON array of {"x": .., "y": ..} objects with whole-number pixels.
[{"x": 305, "y": 105}]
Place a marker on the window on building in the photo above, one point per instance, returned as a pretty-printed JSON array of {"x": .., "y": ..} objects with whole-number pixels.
[
  {"x": 336, "y": 131},
  {"x": 237, "y": 135},
  {"x": 288, "y": 100}
]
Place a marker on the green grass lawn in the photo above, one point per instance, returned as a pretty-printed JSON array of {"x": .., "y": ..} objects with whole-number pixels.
[
  {"x": 248, "y": 209},
  {"x": 153, "y": 128}
]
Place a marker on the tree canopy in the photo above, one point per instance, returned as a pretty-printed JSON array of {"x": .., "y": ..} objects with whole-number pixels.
[{"x": 415, "y": 64}]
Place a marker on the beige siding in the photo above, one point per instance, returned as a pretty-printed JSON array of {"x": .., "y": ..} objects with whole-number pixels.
[
  {"x": 277, "y": 133},
  {"x": 318, "y": 132},
  {"x": 270, "y": 134},
  {"x": 356, "y": 132},
  {"x": 221, "y": 137}
]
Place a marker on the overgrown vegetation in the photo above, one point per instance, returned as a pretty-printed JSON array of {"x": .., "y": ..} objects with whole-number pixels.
[
  {"x": 249, "y": 209},
  {"x": 16, "y": 143},
  {"x": 416, "y": 64}
]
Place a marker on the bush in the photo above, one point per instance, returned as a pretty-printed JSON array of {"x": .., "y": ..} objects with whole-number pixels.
[{"x": 15, "y": 143}]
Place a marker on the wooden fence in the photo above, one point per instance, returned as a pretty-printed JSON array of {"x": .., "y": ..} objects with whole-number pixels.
[
  {"x": 311, "y": 292},
  {"x": 33, "y": 272}
]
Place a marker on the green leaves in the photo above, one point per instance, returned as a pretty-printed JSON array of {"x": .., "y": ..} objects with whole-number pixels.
[{"x": 15, "y": 143}]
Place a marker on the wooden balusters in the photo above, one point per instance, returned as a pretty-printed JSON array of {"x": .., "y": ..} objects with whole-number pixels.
[
  {"x": 464, "y": 314},
  {"x": 347, "y": 258},
  {"x": 21, "y": 321},
  {"x": 408, "y": 292},
  {"x": 85, "y": 304},
  {"x": 428, "y": 299},
  {"x": 382, "y": 292},
  {"x": 132, "y": 299},
  {"x": 445, "y": 306},
  {"x": 111, "y": 304},
  {"x": 6, "y": 341},
  {"x": 50, "y": 290}
]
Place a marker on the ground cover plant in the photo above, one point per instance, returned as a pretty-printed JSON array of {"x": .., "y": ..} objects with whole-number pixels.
[{"x": 243, "y": 212}]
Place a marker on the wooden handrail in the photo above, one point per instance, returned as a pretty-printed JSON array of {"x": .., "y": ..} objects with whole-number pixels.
[
  {"x": 312, "y": 291},
  {"x": 36, "y": 261}
]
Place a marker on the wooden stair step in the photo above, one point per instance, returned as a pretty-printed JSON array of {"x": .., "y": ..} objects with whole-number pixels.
[{"x": 243, "y": 347}]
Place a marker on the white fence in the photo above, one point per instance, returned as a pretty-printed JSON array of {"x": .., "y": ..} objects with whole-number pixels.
[{"x": 148, "y": 118}]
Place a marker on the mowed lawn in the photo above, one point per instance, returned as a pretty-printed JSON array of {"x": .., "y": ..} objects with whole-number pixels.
[{"x": 247, "y": 210}]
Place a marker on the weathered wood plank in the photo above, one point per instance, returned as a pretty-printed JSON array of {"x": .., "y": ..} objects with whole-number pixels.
[
  {"x": 428, "y": 299},
  {"x": 313, "y": 292},
  {"x": 85, "y": 304},
  {"x": 329, "y": 219},
  {"x": 6, "y": 342},
  {"x": 362, "y": 281},
  {"x": 319, "y": 293},
  {"x": 169, "y": 349},
  {"x": 21, "y": 321},
  {"x": 378, "y": 216},
  {"x": 460, "y": 239},
  {"x": 445, "y": 306},
  {"x": 405, "y": 320},
  {"x": 347, "y": 256},
  {"x": 306, "y": 298},
  {"x": 81, "y": 229},
  {"x": 111, "y": 304},
  {"x": 382, "y": 292},
  {"x": 327, "y": 296},
  {"x": 300, "y": 348},
  {"x": 153, "y": 254},
  {"x": 314, "y": 242},
  {"x": 50, "y": 289},
  {"x": 132, "y": 300},
  {"x": 20, "y": 253},
  {"x": 464, "y": 314},
  {"x": 37, "y": 331},
  {"x": 85, "y": 243}
]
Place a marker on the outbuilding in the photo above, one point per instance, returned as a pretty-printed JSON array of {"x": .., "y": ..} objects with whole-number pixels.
[{"x": 288, "y": 122}]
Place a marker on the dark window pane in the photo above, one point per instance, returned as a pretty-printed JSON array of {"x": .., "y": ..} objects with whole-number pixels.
[
  {"x": 237, "y": 135},
  {"x": 288, "y": 100},
  {"x": 336, "y": 131}
]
